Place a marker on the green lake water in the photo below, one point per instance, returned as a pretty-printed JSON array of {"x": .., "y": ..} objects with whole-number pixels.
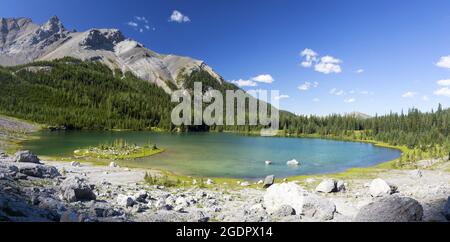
[{"x": 225, "y": 155}]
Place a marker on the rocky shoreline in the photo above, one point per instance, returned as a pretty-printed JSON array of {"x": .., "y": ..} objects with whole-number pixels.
[{"x": 73, "y": 192}]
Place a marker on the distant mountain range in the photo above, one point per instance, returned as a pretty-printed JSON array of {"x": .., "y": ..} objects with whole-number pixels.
[
  {"x": 358, "y": 115},
  {"x": 22, "y": 42}
]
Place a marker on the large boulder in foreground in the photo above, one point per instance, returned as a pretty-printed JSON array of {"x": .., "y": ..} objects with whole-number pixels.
[
  {"x": 304, "y": 203},
  {"x": 379, "y": 188},
  {"x": 77, "y": 189},
  {"x": 446, "y": 211},
  {"x": 393, "y": 208},
  {"x": 26, "y": 157}
]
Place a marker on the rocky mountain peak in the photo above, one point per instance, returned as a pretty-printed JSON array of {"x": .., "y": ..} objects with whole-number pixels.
[
  {"x": 53, "y": 25},
  {"x": 104, "y": 39},
  {"x": 52, "y": 31}
]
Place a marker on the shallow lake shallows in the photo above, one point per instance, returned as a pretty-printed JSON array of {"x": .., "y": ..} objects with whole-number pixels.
[{"x": 224, "y": 154}]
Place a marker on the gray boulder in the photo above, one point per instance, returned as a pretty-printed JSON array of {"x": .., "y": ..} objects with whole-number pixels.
[
  {"x": 304, "y": 203},
  {"x": 327, "y": 186},
  {"x": 3, "y": 155},
  {"x": 125, "y": 201},
  {"x": 340, "y": 186},
  {"x": 446, "y": 211},
  {"x": 393, "y": 208},
  {"x": 77, "y": 189},
  {"x": 26, "y": 157},
  {"x": 284, "y": 211},
  {"x": 318, "y": 208},
  {"x": 39, "y": 171},
  {"x": 269, "y": 181},
  {"x": 379, "y": 188}
]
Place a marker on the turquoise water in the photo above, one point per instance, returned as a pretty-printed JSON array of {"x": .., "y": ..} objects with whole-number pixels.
[{"x": 226, "y": 155}]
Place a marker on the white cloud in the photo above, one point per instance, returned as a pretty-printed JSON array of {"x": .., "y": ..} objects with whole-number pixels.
[
  {"x": 444, "y": 62},
  {"x": 308, "y": 85},
  {"x": 337, "y": 92},
  {"x": 328, "y": 64},
  {"x": 281, "y": 97},
  {"x": 359, "y": 71},
  {"x": 444, "y": 82},
  {"x": 316, "y": 100},
  {"x": 425, "y": 98},
  {"x": 141, "y": 19},
  {"x": 310, "y": 57},
  {"x": 409, "y": 94},
  {"x": 445, "y": 91},
  {"x": 132, "y": 24},
  {"x": 266, "y": 78},
  {"x": 178, "y": 17},
  {"x": 350, "y": 100},
  {"x": 245, "y": 83}
]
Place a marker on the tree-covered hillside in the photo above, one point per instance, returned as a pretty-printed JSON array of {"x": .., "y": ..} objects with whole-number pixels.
[{"x": 77, "y": 94}]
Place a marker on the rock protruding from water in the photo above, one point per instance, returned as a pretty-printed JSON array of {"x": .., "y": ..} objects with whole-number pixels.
[
  {"x": 393, "y": 208},
  {"x": 293, "y": 162},
  {"x": 77, "y": 189},
  {"x": 26, "y": 157}
]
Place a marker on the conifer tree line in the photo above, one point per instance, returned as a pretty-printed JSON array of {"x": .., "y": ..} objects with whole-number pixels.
[{"x": 88, "y": 95}]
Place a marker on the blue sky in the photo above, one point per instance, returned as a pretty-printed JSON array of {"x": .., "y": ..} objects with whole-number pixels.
[{"x": 367, "y": 56}]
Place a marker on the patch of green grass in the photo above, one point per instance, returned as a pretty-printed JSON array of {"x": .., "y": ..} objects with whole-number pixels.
[{"x": 118, "y": 150}]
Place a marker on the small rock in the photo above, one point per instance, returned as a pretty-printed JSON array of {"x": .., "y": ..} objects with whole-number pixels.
[
  {"x": 141, "y": 196},
  {"x": 260, "y": 182},
  {"x": 194, "y": 182},
  {"x": 113, "y": 165},
  {"x": 77, "y": 189},
  {"x": 245, "y": 184},
  {"x": 269, "y": 181},
  {"x": 293, "y": 162},
  {"x": 70, "y": 217},
  {"x": 310, "y": 180},
  {"x": 26, "y": 157},
  {"x": 379, "y": 188},
  {"x": 125, "y": 201},
  {"x": 3, "y": 155},
  {"x": 181, "y": 201},
  {"x": 416, "y": 174},
  {"x": 209, "y": 182},
  {"x": 340, "y": 186},
  {"x": 268, "y": 162},
  {"x": 327, "y": 186},
  {"x": 75, "y": 164},
  {"x": 284, "y": 211}
]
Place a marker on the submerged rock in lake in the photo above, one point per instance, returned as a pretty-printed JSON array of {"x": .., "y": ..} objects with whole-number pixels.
[{"x": 293, "y": 162}]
